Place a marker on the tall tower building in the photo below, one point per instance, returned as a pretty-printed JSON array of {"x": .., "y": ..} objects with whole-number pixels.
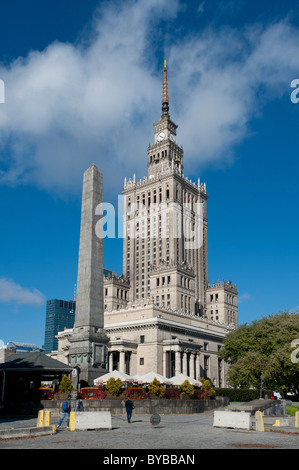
[
  {"x": 165, "y": 223},
  {"x": 60, "y": 314},
  {"x": 162, "y": 314}
]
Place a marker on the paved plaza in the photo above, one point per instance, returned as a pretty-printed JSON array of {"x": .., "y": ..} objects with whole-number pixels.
[{"x": 179, "y": 432}]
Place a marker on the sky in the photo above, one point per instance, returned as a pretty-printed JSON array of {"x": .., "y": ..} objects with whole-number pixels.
[{"x": 83, "y": 85}]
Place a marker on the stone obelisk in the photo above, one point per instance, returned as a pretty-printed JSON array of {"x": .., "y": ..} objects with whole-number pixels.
[{"x": 88, "y": 344}]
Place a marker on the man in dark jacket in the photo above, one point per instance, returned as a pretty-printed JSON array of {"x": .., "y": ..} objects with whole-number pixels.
[{"x": 129, "y": 408}]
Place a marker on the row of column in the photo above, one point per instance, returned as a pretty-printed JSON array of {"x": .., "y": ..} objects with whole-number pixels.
[
  {"x": 181, "y": 363},
  {"x": 122, "y": 361}
]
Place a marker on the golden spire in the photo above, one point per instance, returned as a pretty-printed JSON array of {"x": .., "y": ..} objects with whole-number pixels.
[{"x": 165, "y": 105}]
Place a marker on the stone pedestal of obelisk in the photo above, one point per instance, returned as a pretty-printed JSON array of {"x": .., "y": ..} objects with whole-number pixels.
[{"x": 88, "y": 344}]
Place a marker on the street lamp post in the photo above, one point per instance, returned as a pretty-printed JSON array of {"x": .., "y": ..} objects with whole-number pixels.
[{"x": 261, "y": 386}]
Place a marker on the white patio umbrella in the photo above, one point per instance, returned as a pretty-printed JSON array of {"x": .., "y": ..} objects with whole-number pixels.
[
  {"x": 115, "y": 374},
  {"x": 180, "y": 378},
  {"x": 150, "y": 376}
]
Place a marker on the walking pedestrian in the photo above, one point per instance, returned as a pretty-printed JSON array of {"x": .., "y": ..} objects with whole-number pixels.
[
  {"x": 129, "y": 408},
  {"x": 66, "y": 409}
]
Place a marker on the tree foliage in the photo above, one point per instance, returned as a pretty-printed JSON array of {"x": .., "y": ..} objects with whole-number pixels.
[
  {"x": 209, "y": 392},
  {"x": 65, "y": 385},
  {"x": 157, "y": 388},
  {"x": 187, "y": 387},
  {"x": 264, "y": 348},
  {"x": 114, "y": 387}
]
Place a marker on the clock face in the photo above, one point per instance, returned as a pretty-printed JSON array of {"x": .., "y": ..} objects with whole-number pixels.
[
  {"x": 161, "y": 136},
  {"x": 171, "y": 136}
]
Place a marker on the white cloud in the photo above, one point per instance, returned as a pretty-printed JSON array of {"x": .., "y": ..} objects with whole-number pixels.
[
  {"x": 244, "y": 297},
  {"x": 69, "y": 106},
  {"x": 12, "y": 292},
  {"x": 223, "y": 80}
]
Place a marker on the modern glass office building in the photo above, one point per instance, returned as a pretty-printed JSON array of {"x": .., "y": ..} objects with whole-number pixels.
[{"x": 60, "y": 314}]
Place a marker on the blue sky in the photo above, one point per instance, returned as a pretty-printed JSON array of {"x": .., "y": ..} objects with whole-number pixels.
[{"x": 83, "y": 85}]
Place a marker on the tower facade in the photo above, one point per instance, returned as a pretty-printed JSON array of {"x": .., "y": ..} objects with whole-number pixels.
[
  {"x": 165, "y": 224},
  {"x": 162, "y": 314}
]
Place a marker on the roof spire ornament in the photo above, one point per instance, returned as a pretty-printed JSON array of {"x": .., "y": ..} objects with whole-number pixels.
[{"x": 165, "y": 99}]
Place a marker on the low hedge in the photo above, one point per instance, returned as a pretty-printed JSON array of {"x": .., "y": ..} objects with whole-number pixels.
[{"x": 241, "y": 394}]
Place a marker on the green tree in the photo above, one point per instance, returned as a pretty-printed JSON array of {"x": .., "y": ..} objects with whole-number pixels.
[
  {"x": 187, "y": 387},
  {"x": 263, "y": 348},
  {"x": 157, "y": 388},
  {"x": 114, "y": 387},
  {"x": 65, "y": 385}
]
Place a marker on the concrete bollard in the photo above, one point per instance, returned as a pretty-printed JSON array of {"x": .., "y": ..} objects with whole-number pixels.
[
  {"x": 47, "y": 418},
  {"x": 281, "y": 422},
  {"x": 259, "y": 421},
  {"x": 44, "y": 418},
  {"x": 40, "y": 419}
]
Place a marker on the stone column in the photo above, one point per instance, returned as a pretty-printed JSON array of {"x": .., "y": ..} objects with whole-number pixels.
[
  {"x": 177, "y": 362},
  {"x": 191, "y": 365},
  {"x": 88, "y": 343},
  {"x": 122, "y": 362},
  {"x": 197, "y": 366},
  {"x": 111, "y": 361},
  {"x": 164, "y": 363},
  {"x": 184, "y": 362}
]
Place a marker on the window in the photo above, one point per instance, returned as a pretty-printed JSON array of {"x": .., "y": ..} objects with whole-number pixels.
[
  {"x": 142, "y": 339},
  {"x": 141, "y": 361}
]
